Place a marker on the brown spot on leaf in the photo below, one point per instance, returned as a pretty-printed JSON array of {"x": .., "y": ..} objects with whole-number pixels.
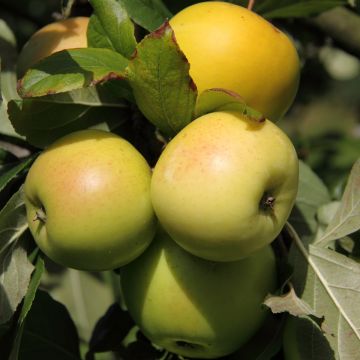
[
  {"x": 110, "y": 76},
  {"x": 192, "y": 85},
  {"x": 159, "y": 32}
]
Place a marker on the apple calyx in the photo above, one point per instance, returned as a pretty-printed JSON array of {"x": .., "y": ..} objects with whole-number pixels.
[
  {"x": 40, "y": 215},
  {"x": 267, "y": 202}
]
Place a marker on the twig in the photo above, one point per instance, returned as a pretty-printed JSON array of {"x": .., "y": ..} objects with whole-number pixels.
[{"x": 251, "y": 4}]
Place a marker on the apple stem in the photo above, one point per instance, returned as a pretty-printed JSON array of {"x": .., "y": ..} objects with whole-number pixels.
[
  {"x": 40, "y": 215},
  {"x": 251, "y": 4}
]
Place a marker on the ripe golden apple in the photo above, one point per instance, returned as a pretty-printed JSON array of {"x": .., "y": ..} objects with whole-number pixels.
[
  {"x": 225, "y": 185},
  {"x": 194, "y": 307},
  {"x": 54, "y": 37},
  {"x": 88, "y": 202},
  {"x": 231, "y": 47}
]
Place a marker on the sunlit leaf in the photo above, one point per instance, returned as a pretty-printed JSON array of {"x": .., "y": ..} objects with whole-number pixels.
[
  {"x": 159, "y": 77},
  {"x": 330, "y": 283},
  {"x": 116, "y": 25},
  {"x": 149, "y": 14},
  {"x": 72, "y": 69}
]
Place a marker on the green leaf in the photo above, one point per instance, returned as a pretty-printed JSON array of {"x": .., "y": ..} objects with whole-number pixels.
[
  {"x": 159, "y": 77},
  {"x": 42, "y": 122},
  {"x": 347, "y": 217},
  {"x": 28, "y": 301},
  {"x": 149, "y": 14},
  {"x": 312, "y": 193},
  {"x": 224, "y": 100},
  {"x": 15, "y": 268},
  {"x": 14, "y": 171},
  {"x": 300, "y": 8},
  {"x": 105, "y": 95},
  {"x": 8, "y": 79},
  {"x": 116, "y": 25},
  {"x": 49, "y": 332},
  {"x": 72, "y": 69},
  {"x": 96, "y": 35}
]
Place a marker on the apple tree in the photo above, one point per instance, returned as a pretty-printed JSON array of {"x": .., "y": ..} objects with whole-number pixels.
[{"x": 135, "y": 79}]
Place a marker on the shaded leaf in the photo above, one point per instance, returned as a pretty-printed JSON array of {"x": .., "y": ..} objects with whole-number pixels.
[
  {"x": 327, "y": 212},
  {"x": 149, "y": 14},
  {"x": 6, "y": 177},
  {"x": 15, "y": 268},
  {"x": 100, "y": 95},
  {"x": 290, "y": 8},
  {"x": 312, "y": 193},
  {"x": 110, "y": 330},
  {"x": 347, "y": 217},
  {"x": 75, "y": 289},
  {"x": 159, "y": 77},
  {"x": 222, "y": 100},
  {"x": 8, "y": 56},
  {"x": 116, "y": 25},
  {"x": 43, "y": 122},
  {"x": 49, "y": 332},
  {"x": 72, "y": 69},
  {"x": 28, "y": 301}
]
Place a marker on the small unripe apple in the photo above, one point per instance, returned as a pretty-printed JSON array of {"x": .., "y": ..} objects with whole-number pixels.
[
  {"x": 304, "y": 339},
  {"x": 233, "y": 48},
  {"x": 54, "y": 37},
  {"x": 194, "y": 307},
  {"x": 225, "y": 185},
  {"x": 88, "y": 202}
]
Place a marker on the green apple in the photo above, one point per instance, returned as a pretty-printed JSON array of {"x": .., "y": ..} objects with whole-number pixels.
[
  {"x": 233, "y": 48},
  {"x": 225, "y": 185},
  {"x": 195, "y": 307},
  {"x": 60, "y": 35},
  {"x": 88, "y": 202},
  {"x": 303, "y": 339}
]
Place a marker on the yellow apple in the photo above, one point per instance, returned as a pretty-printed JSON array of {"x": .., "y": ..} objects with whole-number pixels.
[
  {"x": 194, "y": 307},
  {"x": 88, "y": 202},
  {"x": 54, "y": 37},
  {"x": 225, "y": 185},
  {"x": 231, "y": 47}
]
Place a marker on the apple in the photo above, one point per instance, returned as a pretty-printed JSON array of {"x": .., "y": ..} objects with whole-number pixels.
[
  {"x": 224, "y": 186},
  {"x": 88, "y": 204},
  {"x": 54, "y": 37},
  {"x": 304, "y": 339},
  {"x": 233, "y": 48},
  {"x": 194, "y": 307}
]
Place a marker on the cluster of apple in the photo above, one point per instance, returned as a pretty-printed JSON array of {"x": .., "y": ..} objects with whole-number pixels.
[{"x": 192, "y": 236}]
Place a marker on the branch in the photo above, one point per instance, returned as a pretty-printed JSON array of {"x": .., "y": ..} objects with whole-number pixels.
[{"x": 343, "y": 26}]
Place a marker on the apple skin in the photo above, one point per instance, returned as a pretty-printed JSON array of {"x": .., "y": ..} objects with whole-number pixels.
[
  {"x": 304, "y": 339},
  {"x": 194, "y": 307},
  {"x": 54, "y": 37},
  {"x": 209, "y": 185},
  {"x": 94, "y": 188},
  {"x": 233, "y": 48}
]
